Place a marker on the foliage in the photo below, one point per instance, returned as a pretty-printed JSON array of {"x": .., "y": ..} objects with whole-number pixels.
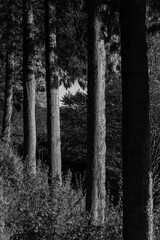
[
  {"x": 72, "y": 37},
  {"x": 11, "y": 168},
  {"x": 74, "y": 128},
  {"x": 113, "y": 133},
  {"x": 32, "y": 209}
]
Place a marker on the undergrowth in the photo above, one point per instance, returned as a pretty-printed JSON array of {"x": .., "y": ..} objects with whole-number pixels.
[{"x": 30, "y": 209}]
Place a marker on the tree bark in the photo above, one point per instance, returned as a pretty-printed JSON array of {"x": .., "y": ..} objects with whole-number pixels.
[
  {"x": 29, "y": 86},
  {"x": 53, "y": 113},
  {"x": 7, "y": 114},
  {"x": 96, "y": 170},
  {"x": 137, "y": 175}
]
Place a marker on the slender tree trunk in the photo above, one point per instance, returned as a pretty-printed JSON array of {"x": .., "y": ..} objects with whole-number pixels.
[
  {"x": 53, "y": 113},
  {"x": 29, "y": 86},
  {"x": 137, "y": 175},
  {"x": 6, "y": 129},
  {"x": 2, "y": 220},
  {"x": 96, "y": 171}
]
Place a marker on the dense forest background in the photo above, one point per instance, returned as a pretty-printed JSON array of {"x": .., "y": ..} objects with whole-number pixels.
[{"x": 31, "y": 207}]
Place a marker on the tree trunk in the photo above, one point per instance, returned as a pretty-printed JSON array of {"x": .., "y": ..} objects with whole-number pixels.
[
  {"x": 96, "y": 171},
  {"x": 29, "y": 86},
  {"x": 2, "y": 202},
  {"x": 137, "y": 175},
  {"x": 6, "y": 129},
  {"x": 53, "y": 113}
]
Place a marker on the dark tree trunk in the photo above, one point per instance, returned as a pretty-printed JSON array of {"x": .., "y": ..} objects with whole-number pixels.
[
  {"x": 53, "y": 113},
  {"x": 29, "y": 86},
  {"x": 7, "y": 114},
  {"x": 137, "y": 175},
  {"x": 96, "y": 172}
]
